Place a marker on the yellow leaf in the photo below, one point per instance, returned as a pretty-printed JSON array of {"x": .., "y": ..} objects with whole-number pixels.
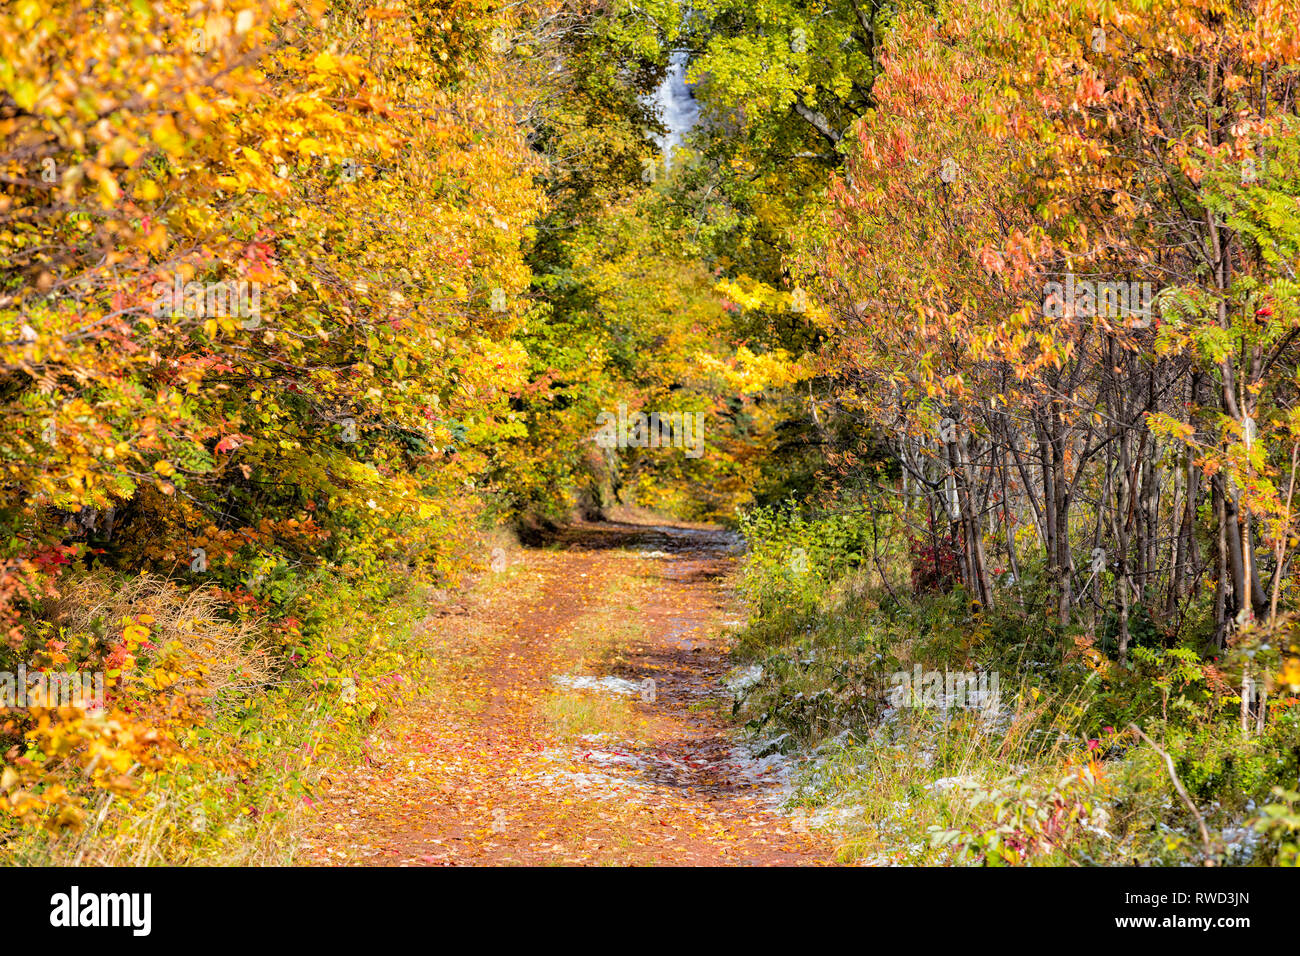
[{"x": 167, "y": 136}]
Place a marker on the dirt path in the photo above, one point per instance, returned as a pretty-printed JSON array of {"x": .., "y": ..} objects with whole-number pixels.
[{"x": 545, "y": 743}]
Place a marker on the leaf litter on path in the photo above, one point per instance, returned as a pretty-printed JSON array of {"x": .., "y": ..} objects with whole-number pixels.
[{"x": 474, "y": 773}]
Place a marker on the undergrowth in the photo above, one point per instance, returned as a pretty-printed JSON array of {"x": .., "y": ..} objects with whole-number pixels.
[{"x": 1052, "y": 774}]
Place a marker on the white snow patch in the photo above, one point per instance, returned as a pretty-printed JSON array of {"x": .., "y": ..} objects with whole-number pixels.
[
  {"x": 740, "y": 679},
  {"x": 595, "y": 783},
  {"x": 609, "y": 685}
]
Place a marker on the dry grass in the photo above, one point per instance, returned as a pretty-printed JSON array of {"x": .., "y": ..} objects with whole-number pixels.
[
  {"x": 598, "y": 644},
  {"x": 188, "y": 625},
  {"x": 574, "y": 714}
]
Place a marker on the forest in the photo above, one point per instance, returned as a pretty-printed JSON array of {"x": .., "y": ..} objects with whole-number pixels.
[{"x": 850, "y": 431}]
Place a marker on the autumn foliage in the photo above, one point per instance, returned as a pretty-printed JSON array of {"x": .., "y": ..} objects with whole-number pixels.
[
  {"x": 298, "y": 296},
  {"x": 262, "y": 273},
  {"x": 1018, "y": 154}
]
